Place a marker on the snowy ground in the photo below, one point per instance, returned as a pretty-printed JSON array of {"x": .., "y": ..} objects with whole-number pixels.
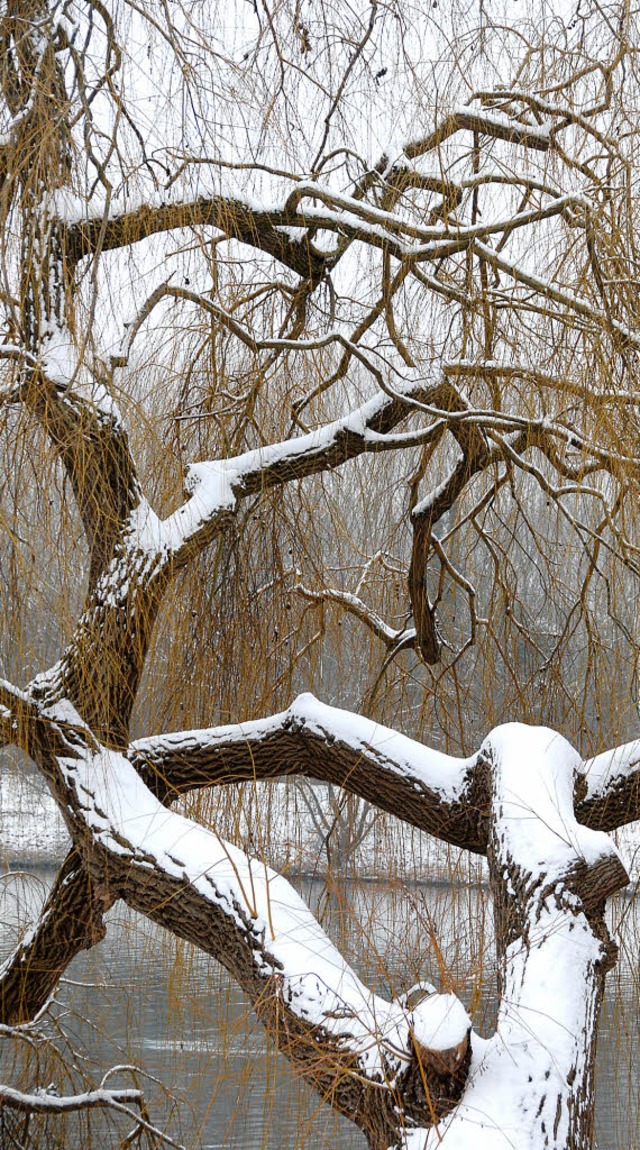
[{"x": 32, "y": 832}]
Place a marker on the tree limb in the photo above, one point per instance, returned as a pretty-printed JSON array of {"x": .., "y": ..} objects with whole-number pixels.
[
  {"x": 235, "y": 217},
  {"x": 355, "y": 1048},
  {"x": 430, "y": 790}
]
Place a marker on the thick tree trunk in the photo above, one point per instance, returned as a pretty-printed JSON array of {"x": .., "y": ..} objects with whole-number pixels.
[{"x": 531, "y": 1085}]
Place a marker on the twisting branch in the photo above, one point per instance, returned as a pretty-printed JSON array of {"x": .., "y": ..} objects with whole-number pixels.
[
  {"x": 397, "y": 774},
  {"x": 394, "y": 638},
  {"x": 258, "y": 228},
  {"x": 353, "y": 1046}
]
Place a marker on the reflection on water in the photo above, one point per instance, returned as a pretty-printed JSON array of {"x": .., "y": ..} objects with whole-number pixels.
[{"x": 141, "y": 997}]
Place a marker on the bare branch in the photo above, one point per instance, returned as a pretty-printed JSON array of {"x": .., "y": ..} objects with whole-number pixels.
[
  {"x": 392, "y": 637},
  {"x": 234, "y": 217}
]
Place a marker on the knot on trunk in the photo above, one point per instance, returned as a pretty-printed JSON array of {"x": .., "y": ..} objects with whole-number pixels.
[{"x": 440, "y": 1032}]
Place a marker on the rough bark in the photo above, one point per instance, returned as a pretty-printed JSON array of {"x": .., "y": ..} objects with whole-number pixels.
[
  {"x": 70, "y": 921},
  {"x": 436, "y": 793},
  {"x": 356, "y": 1049},
  {"x": 531, "y": 1086},
  {"x": 549, "y": 884},
  {"x": 258, "y": 229}
]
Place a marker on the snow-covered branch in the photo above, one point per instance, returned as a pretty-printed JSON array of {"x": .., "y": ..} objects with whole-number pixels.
[
  {"x": 550, "y": 878},
  {"x": 612, "y": 788},
  {"x": 550, "y": 291},
  {"x": 393, "y": 772},
  {"x": 358, "y": 1048},
  {"x": 253, "y": 224},
  {"x": 529, "y": 1085},
  {"x": 217, "y": 485},
  {"x": 47, "y": 1101},
  {"x": 394, "y": 638},
  {"x": 421, "y": 786}
]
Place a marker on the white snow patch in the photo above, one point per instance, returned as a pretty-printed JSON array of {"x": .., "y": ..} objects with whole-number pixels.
[
  {"x": 212, "y": 491},
  {"x": 317, "y": 983},
  {"x": 440, "y": 1021},
  {"x": 602, "y": 771},
  {"x": 146, "y": 530},
  {"x": 61, "y": 356},
  {"x": 535, "y": 791},
  {"x": 440, "y": 772}
]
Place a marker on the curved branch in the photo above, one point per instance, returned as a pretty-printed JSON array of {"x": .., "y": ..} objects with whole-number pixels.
[
  {"x": 42, "y": 1102},
  {"x": 70, "y": 921},
  {"x": 424, "y": 517},
  {"x": 217, "y": 485},
  {"x": 612, "y": 796},
  {"x": 353, "y": 605},
  {"x": 236, "y": 218},
  {"x": 492, "y": 124},
  {"x": 423, "y": 787},
  {"x": 435, "y": 792},
  {"x": 93, "y": 445},
  {"x": 382, "y": 1063}
]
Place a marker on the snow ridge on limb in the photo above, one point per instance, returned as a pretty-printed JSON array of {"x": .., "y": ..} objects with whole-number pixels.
[
  {"x": 44, "y": 1102},
  {"x": 215, "y": 486},
  {"x": 258, "y": 226},
  {"x": 424, "y": 787},
  {"x": 399, "y": 774},
  {"x": 612, "y": 781},
  {"x": 529, "y": 1086}
]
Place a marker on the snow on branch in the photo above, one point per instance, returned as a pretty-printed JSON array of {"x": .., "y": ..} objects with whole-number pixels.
[
  {"x": 217, "y": 485},
  {"x": 253, "y": 224},
  {"x": 44, "y": 1100},
  {"x": 493, "y": 124},
  {"x": 394, "y": 638},
  {"x": 551, "y": 291},
  {"x": 348, "y": 1042},
  {"x": 417, "y": 784},
  {"x": 400, "y": 775},
  {"x": 612, "y": 788},
  {"x": 264, "y": 226},
  {"x": 550, "y": 879},
  {"x": 531, "y": 1083}
]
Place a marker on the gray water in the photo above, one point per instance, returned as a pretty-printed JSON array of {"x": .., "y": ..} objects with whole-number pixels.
[{"x": 141, "y": 997}]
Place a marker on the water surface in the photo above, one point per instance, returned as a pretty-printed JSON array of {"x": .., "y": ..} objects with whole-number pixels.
[{"x": 141, "y": 997}]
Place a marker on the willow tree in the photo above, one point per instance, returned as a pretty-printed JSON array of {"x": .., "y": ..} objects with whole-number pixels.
[{"x": 307, "y": 240}]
